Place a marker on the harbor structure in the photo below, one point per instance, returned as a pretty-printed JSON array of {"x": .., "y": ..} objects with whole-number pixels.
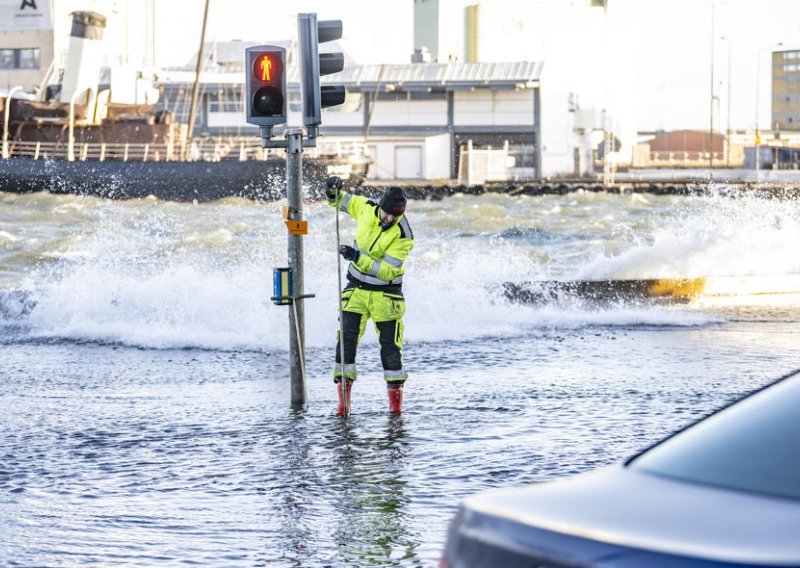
[
  {"x": 444, "y": 115},
  {"x": 454, "y": 111},
  {"x": 97, "y": 130}
]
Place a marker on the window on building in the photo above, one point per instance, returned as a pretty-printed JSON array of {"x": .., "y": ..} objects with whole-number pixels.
[
  {"x": 6, "y": 58},
  {"x": 428, "y": 95},
  {"x": 393, "y": 96},
  {"x": 226, "y": 99},
  {"x": 412, "y": 96},
  {"x": 28, "y": 58},
  {"x": 524, "y": 155},
  {"x": 24, "y": 58}
]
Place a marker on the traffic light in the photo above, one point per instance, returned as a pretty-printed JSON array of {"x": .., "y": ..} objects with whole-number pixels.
[
  {"x": 314, "y": 64},
  {"x": 265, "y": 66}
]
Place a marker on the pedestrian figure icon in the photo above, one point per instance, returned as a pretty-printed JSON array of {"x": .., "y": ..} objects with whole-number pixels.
[{"x": 266, "y": 69}]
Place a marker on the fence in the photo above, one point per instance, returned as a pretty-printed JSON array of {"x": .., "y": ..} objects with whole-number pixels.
[
  {"x": 201, "y": 149},
  {"x": 479, "y": 165}
]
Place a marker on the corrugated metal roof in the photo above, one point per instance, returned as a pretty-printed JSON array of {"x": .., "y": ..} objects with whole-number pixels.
[{"x": 412, "y": 75}]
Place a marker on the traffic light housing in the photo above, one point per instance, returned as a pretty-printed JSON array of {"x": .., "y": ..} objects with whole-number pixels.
[
  {"x": 313, "y": 65},
  {"x": 265, "y": 66}
]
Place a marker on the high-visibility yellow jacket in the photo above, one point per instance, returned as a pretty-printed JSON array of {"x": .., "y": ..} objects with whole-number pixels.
[{"x": 383, "y": 253}]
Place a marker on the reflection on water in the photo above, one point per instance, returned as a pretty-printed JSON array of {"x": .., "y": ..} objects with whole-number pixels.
[
  {"x": 350, "y": 482},
  {"x": 369, "y": 472}
]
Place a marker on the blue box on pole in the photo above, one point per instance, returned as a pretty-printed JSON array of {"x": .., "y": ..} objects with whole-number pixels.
[{"x": 282, "y": 285}]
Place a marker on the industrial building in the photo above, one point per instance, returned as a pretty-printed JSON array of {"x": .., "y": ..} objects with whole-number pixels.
[{"x": 419, "y": 121}]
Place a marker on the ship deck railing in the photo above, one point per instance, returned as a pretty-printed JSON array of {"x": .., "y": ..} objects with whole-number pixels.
[{"x": 206, "y": 149}]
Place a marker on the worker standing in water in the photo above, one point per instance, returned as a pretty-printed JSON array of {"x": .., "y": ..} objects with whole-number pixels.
[{"x": 374, "y": 287}]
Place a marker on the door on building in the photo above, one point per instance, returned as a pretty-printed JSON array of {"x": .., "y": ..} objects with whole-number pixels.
[
  {"x": 408, "y": 162},
  {"x": 373, "y": 172},
  {"x": 576, "y": 161}
]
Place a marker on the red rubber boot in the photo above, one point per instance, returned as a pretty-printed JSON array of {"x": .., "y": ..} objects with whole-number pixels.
[
  {"x": 395, "y": 399},
  {"x": 340, "y": 408}
]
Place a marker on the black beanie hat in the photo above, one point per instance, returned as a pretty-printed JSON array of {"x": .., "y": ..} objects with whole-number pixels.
[{"x": 394, "y": 201}]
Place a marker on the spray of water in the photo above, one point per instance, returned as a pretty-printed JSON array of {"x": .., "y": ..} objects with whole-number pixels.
[
  {"x": 714, "y": 235},
  {"x": 167, "y": 275}
]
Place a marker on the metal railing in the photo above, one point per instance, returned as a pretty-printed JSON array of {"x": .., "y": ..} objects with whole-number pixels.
[
  {"x": 214, "y": 149},
  {"x": 91, "y": 151}
]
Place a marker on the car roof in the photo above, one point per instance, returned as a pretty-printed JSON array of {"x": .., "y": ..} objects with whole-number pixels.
[
  {"x": 640, "y": 510},
  {"x": 639, "y": 507}
]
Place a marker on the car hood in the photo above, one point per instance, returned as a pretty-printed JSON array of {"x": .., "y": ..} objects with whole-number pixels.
[{"x": 632, "y": 508}]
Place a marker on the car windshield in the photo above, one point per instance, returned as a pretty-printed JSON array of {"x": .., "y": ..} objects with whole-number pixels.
[{"x": 753, "y": 445}]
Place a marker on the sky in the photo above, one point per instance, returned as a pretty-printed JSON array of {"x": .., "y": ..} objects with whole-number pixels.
[{"x": 648, "y": 61}]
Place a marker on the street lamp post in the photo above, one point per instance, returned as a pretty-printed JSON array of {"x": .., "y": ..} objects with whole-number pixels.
[
  {"x": 758, "y": 80},
  {"x": 711, "y": 106},
  {"x": 727, "y": 40}
]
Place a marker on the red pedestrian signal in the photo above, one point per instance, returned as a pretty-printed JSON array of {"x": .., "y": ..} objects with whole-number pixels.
[
  {"x": 266, "y": 85},
  {"x": 262, "y": 67}
]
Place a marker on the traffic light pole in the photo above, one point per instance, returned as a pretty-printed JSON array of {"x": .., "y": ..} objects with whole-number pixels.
[
  {"x": 293, "y": 217},
  {"x": 265, "y": 83},
  {"x": 297, "y": 331}
]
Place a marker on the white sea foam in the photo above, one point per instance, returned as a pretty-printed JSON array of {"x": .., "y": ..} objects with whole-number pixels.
[
  {"x": 182, "y": 305},
  {"x": 167, "y": 275},
  {"x": 709, "y": 236}
]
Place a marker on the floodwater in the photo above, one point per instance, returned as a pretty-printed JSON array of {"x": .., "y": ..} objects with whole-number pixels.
[{"x": 145, "y": 408}]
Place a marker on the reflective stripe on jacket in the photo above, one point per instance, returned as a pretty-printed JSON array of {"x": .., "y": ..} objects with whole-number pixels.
[{"x": 383, "y": 253}]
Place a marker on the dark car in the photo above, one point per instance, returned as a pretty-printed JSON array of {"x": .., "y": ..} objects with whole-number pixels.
[{"x": 723, "y": 492}]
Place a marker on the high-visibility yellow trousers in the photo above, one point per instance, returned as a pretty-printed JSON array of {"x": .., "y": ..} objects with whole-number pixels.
[{"x": 386, "y": 311}]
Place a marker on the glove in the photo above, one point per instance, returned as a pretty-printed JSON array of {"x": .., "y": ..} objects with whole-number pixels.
[
  {"x": 349, "y": 253},
  {"x": 332, "y": 186}
]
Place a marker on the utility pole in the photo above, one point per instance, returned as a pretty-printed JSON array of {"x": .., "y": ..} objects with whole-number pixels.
[
  {"x": 728, "y": 111},
  {"x": 196, "y": 85},
  {"x": 608, "y": 135},
  {"x": 711, "y": 107}
]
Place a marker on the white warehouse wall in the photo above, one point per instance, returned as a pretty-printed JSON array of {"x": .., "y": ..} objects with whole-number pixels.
[
  {"x": 437, "y": 157},
  {"x": 557, "y": 134},
  {"x": 410, "y": 113},
  {"x": 434, "y": 157},
  {"x": 486, "y": 107}
]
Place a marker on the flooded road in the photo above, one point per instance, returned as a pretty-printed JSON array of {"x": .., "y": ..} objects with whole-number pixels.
[{"x": 145, "y": 401}]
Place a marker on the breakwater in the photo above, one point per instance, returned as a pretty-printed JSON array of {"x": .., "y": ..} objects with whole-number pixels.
[{"x": 563, "y": 187}]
